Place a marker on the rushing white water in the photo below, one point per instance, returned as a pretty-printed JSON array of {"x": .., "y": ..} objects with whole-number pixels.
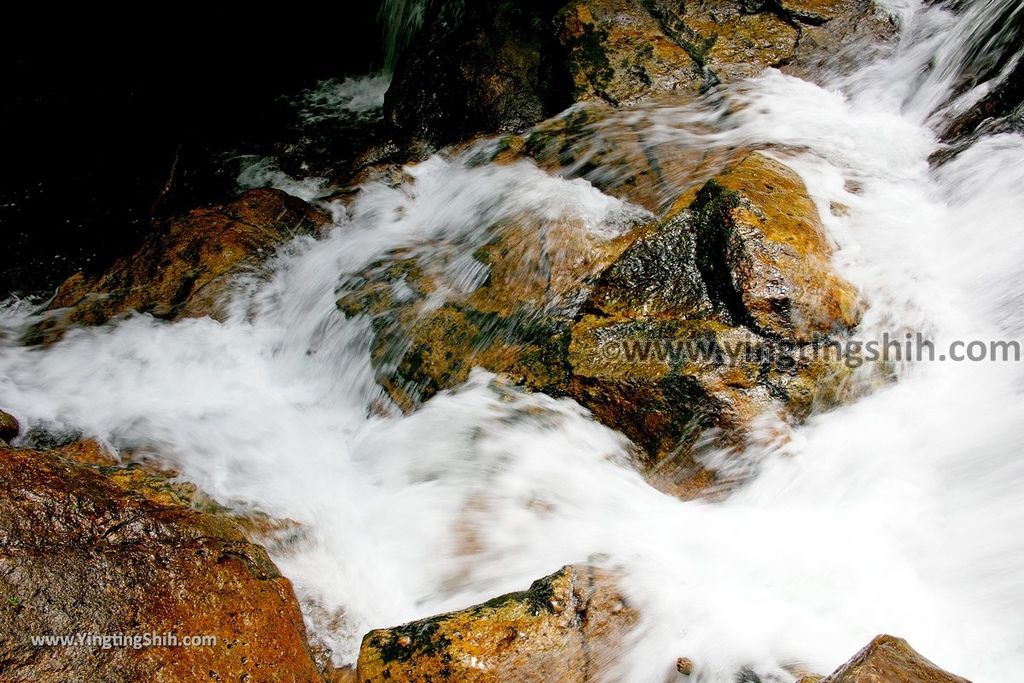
[
  {"x": 895, "y": 514},
  {"x": 360, "y": 97}
]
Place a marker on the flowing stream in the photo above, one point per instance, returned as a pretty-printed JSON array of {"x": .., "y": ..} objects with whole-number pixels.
[{"x": 899, "y": 513}]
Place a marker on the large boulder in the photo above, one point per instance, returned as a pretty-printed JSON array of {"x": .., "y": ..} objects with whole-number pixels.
[
  {"x": 568, "y": 626},
  {"x": 491, "y": 66},
  {"x": 185, "y": 270},
  {"x": 623, "y": 52},
  {"x": 93, "y": 549},
  {"x": 887, "y": 658},
  {"x": 701, "y": 321}
]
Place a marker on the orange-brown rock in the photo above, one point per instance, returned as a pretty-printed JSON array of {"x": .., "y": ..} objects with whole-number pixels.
[
  {"x": 605, "y": 146},
  {"x": 623, "y": 52},
  {"x": 729, "y": 41},
  {"x": 513, "y": 322},
  {"x": 618, "y": 52},
  {"x": 85, "y": 553},
  {"x": 757, "y": 221},
  {"x": 9, "y": 427},
  {"x": 706, "y": 321},
  {"x": 889, "y": 659},
  {"x": 701, "y": 321},
  {"x": 567, "y": 627},
  {"x": 185, "y": 270}
]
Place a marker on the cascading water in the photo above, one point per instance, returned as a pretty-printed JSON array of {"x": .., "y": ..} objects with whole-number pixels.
[
  {"x": 898, "y": 513},
  {"x": 401, "y": 19}
]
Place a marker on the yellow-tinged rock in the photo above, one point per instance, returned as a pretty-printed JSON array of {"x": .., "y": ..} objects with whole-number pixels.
[
  {"x": 889, "y": 659},
  {"x": 758, "y": 221},
  {"x": 567, "y": 627}
]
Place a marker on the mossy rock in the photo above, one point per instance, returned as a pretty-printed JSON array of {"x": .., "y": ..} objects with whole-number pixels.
[{"x": 568, "y": 626}]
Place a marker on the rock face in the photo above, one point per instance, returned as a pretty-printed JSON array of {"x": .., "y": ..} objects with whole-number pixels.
[
  {"x": 476, "y": 67},
  {"x": 1001, "y": 109},
  {"x": 620, "y": 53},
  {"x": 887, "y": 658},
  {"x": 757, "y": 220},
  {"x": 184, "y": 271},
  {"x": 490, "y": 66},
  {"x": 83, "y": 552},
  {"x": 701, "y": 320},
  {"x": 567, "y": 627}
]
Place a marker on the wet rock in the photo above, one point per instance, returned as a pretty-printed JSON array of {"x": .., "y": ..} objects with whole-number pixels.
[
  {"x": 601, "y": 144},
  {"x": 730, "y": 41},
  {"x": 81, "y": 552},
  {"x": 1001, "y": 109},
  {"x": 524, "y": 285},
  {"x": 491, "y": 67},
  {"x": 764, "y": 254},
  {"x": 887, "y": 658},
  {"x": 663, "y": 383},
  {"x": 700, "y": 322},
  {"x": 9, "y": 427},
  {"x": 657, "y": 276},
  {"x": 567, "y": 627},
  {"x": 836, "y": 35},
  {"x": 476, "y": 67},
  {"x": 619, "y": 53},
  {"x": 709, "y": 319},
  {"x": 186, "y": 270},
  {"x": 623, "y": 52}
]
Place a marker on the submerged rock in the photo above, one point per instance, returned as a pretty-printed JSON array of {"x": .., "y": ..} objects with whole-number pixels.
[
  {"x": 887, "y": 658},
  {"x": 595, "y": 141},
  {"x": 82, "y": 552},
  {"x": 185, "y": 270},
  {"x": 568, "y": 626}
]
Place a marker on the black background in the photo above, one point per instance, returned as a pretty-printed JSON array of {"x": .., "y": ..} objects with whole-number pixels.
[{"x": 94, "y": 110}]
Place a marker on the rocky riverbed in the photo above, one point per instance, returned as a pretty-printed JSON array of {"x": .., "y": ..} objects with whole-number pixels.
[{"x": 691, "y": 298}]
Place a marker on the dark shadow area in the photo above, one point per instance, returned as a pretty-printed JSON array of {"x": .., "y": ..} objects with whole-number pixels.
[{"x": 105, "y": 130}]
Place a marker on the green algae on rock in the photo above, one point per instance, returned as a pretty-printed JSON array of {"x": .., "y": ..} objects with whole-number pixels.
[{"x": 568, "y": 626}]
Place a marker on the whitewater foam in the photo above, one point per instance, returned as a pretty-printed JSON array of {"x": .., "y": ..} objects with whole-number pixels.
[{"x": 895, "y": 514}]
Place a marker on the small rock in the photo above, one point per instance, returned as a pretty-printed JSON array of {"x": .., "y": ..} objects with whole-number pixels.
[
  {"x": 684, "y": 665},
  {"x": 9, "y": 427}
]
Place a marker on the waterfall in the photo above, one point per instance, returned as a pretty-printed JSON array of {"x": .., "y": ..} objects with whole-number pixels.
[
  {"x": 401, "y": 19},
  {"x": 898, "y": 513}
]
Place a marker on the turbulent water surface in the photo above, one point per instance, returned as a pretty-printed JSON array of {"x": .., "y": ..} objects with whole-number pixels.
[{"x": 899, "y": 513}]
